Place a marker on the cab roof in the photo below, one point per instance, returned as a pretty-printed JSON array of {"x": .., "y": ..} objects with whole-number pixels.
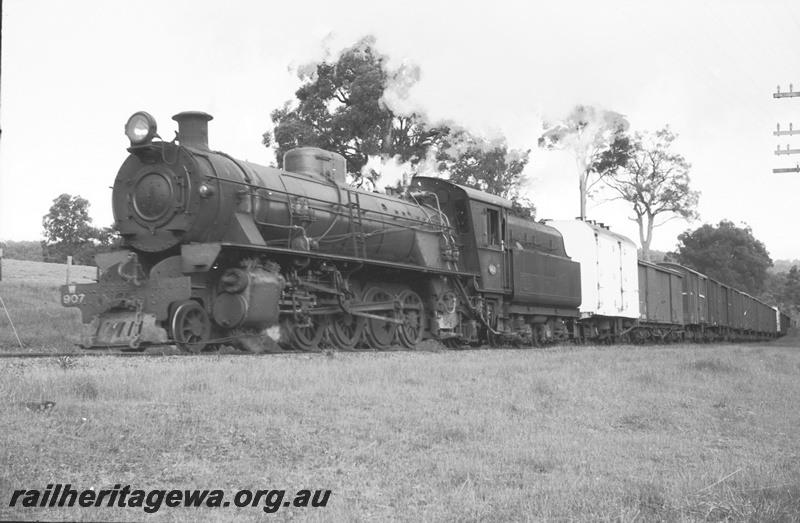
[{"x": 472, "y": 194}]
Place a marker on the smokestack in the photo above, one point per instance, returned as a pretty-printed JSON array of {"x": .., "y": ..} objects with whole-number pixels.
[{"x": 193, "y": 128}]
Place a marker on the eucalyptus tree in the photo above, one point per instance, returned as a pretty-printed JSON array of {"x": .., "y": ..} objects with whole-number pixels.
[
  {"x": 655, "y": 181},
  {"x": 595, "y": 138},
  {"x": 348, "y": 106}
]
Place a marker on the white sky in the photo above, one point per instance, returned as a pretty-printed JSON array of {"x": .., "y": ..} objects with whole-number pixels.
[{"x": 73, "y": 72}]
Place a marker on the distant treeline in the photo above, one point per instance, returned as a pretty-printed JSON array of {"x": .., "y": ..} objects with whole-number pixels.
[
  {"x": 24, "y": 250},
  {"x": 779, "y": 266}
]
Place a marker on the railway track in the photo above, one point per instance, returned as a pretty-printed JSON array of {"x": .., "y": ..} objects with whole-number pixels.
[
  {"x": 151, "y": 353},
  {"x": 155, "y": 352},
  {"x": 121, "y": 354}
]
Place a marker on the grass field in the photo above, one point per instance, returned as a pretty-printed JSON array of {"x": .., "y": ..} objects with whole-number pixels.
[
  {"x": 29, "y": 291},
  {"x": 679, "y": 433},
  {"x": 666, "y": 433}
]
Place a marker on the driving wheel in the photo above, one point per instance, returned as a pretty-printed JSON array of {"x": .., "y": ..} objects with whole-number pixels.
[
  {"x": 307, "y": 336},
  {"x": 190, "y": 326},
  {"x": 379, "y": 333},
  {"x": 413, "y": 314}
]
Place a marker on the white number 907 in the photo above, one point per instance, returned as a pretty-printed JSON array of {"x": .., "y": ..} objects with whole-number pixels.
[{"x": 72, "y": 299}]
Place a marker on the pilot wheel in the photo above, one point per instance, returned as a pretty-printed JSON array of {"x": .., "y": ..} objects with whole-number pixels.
[{"x": 190, "y": 326}]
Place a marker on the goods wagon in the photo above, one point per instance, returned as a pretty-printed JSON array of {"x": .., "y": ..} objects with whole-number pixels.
[
  {"x": 736, "y": 310},
  {"x": 765, "y": 324},
  {"x": 750, "y": 313},
  {"x": 609, "y": 277},
  {"x": 660, "y": 302},
  {"x": 784, "y": 323},
  {"x": 718, "y": 306},
  {"x": 695, "y": 302},
  {"x": 715, "y": 311}
]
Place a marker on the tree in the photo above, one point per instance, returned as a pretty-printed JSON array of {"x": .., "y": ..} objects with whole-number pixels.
[
  {"x": 351, "y": 107},
  {"x": 782, "y": 287},
  {"x": 655, "y": 180},
  {"x": 68, "y": 232},
  {"x": 726, "y": 253},
  {"x": 782, "y": 290},
  {"x": 341, "y": 107},
  {"x": 487, "y": 166},
  {"x": 587, "y": 133},
  {"x": 789, "y": 295}
]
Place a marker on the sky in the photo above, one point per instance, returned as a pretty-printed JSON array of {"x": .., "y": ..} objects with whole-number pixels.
[{"x": 73, "y": 72}]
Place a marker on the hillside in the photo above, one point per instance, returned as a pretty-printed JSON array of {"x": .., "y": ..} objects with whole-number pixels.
[{"x": 783, "y": 265}]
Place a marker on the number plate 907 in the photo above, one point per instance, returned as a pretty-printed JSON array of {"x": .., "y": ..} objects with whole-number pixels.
[{"x": 72, "y": 299}]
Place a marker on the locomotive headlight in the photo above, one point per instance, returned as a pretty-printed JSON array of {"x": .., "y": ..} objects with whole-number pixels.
[
  {"x": 141, "y": 128},
  {"x": 207, "y": 191}
]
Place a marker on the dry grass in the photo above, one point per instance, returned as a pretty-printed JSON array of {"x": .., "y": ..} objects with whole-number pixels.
[
  {"x": 29, "y": 291},
  {"x": 676, "y": 433}
]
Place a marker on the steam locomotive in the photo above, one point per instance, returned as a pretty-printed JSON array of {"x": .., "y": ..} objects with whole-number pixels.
[{"x": 215, "y": 250}]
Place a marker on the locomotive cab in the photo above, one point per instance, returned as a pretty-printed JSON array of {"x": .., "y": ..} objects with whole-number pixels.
[
  {"x": 480, "y": 222},
  {"x": 527, "y": 282}
]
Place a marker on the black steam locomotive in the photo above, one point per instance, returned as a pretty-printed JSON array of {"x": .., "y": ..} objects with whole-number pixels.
[{"x": 216, "y": 250}]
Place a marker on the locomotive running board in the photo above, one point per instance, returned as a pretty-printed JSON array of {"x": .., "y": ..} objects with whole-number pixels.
[{"x": 336, "y": 257}]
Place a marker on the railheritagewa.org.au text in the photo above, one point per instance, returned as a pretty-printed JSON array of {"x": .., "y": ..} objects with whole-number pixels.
[{"x": 151, "y": 501}]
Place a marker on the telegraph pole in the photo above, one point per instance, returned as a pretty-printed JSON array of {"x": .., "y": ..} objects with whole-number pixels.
[{"x": 791, "y": 132}]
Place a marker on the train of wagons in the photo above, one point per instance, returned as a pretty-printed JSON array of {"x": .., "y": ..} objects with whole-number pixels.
[{"x": 215, "y": 250}]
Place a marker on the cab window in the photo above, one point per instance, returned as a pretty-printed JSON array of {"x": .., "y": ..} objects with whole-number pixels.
[
  {"x": 493, "y": 226},
  {"x": 462, "y": 216}
]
